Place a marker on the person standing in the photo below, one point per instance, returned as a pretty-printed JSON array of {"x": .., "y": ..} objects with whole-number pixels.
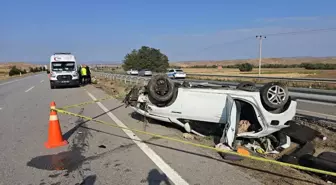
[
  {"x": 88, "y": 74},
  {"x": 84, "y": 74},
  {"x": 79, "y": 74}
]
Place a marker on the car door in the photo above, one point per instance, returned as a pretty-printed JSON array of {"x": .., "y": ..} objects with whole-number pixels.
[
  {"x": 230, "y": 130},
  {"x": 170, "y": 73}
]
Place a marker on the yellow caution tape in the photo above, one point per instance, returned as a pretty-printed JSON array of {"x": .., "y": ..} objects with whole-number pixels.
[
  {"x": 86, "y": 103},
  {"x": 200, "y": 145}
]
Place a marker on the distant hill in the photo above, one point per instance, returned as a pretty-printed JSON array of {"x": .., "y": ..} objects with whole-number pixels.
[{"x": 289, "y": 60}]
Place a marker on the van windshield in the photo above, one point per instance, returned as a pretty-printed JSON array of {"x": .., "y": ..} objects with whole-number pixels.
[{"x": 63, "y": 66}]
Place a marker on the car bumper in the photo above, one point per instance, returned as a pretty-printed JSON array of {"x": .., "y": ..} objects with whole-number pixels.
[
  {"x": 64, "y": 83},
  {"x": 180, "y": 75}
]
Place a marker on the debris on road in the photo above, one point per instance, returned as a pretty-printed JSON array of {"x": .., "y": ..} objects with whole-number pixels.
[{"x": 188, "y": 136}]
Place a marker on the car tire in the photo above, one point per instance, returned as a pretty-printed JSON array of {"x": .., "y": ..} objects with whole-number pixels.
[
  {"x": 274, "y": 95},
  {"x": 162, "y": 92},
  {"x": 246, "y": 86},
  {"x": 52, "y": 87}
]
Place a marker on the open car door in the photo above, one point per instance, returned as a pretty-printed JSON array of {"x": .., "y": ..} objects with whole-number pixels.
[{"x": 232, "y": 119}]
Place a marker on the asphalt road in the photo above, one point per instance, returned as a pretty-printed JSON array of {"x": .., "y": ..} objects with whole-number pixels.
[{"x": 96, "y": 154}]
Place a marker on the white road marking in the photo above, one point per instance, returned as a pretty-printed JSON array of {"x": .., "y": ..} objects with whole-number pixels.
[
  {"x": 29, "y": 89},
  {"x": 171, "y": 173},
  {"x": 41, "y": 81},
  {"x": 18, "y": 80}
]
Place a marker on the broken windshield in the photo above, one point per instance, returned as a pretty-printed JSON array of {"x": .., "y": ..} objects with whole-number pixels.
[{"x": 63, "y": 66}]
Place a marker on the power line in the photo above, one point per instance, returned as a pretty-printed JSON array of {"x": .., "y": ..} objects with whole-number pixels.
[
  {"x": 271, "y": 34},
  {"x": 301, "y": 32}
]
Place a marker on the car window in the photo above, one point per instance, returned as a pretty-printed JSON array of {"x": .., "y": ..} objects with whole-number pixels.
[
  {"x": 179, "y": 70},
  {"x": 172, "y": 70}
]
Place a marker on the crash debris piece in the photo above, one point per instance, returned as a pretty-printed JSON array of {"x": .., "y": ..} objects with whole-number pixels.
[{"x": 188, "y": 136}]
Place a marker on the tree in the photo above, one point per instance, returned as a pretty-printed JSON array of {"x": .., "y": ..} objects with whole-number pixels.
[
  {"x": 245, "y": 67},
  {"x": 146, "y": 58},
  {"x": 14, "y": 71}
]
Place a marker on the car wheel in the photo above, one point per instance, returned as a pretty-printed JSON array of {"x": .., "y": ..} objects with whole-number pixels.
[
  {"x": 160, "y": 88},
  {"x": 274, "y": 95},
  {"x": 52, "y": 87},
  {"x": 246, "y": 86}
]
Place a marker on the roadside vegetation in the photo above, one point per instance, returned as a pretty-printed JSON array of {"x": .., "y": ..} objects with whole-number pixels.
[
  {"x": 10, "y": 70},
  {"x": 323, "y": 66},
  {"x": 146, "y": 58},
  {"x": 15, "y": 71}
]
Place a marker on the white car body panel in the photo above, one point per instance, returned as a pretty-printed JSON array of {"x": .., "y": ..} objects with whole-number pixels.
[{"x": 132, "y": 72}]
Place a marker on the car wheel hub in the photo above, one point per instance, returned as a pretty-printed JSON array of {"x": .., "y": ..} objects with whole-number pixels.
[
  {"x": 276, "y": 94},
  {"x": 161, "y": 87}
]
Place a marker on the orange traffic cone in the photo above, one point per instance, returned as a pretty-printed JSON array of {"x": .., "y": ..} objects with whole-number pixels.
[{"x": 55, "y": 138}]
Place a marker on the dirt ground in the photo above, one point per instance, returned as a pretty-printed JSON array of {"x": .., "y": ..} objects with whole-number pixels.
[{"x": 264, "y": 172}]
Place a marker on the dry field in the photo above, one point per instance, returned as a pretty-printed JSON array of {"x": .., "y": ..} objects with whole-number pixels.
[
  {"x": 5, "y": 67},
  {"x": 288, "y": 61},
  {"x": 273, "y": 72}
]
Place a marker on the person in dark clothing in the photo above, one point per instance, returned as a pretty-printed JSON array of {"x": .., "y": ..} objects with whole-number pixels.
[
  {"x": 88, "y": 74},
  {"x": 79, "y": 74}
]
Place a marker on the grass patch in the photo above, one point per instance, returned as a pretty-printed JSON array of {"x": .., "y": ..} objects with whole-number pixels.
[{"x": 117, "y": 89}]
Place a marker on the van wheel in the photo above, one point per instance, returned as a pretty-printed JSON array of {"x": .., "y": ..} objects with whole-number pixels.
[
  {"x": 274, "y": 95},
  {"x": 160, "y": 88}
]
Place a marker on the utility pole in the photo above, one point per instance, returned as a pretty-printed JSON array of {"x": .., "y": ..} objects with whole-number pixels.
[{"x": 260, "y": 37}]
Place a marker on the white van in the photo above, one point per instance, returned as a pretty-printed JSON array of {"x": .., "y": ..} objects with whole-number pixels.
[{"x": 63, "y": 70}]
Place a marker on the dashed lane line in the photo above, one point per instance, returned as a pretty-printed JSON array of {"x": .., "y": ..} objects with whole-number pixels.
[
  {"x": 170, "y": 172},
  {"x": 29, "y": 89}
]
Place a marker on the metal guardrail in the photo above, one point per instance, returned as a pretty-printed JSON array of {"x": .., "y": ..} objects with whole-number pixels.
[
  {"x": 329, "y": 80},
  {"x": 318, "y": 95}
]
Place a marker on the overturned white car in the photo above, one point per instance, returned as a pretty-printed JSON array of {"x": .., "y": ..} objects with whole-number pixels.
[{"x": 208, "y": 109}]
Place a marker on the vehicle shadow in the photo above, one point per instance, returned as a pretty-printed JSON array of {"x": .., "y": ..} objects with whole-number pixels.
[
  {"x": 89, "y": 180},
  {"x": 155, "y": 178},
  {"x": 219, "y": 159}
]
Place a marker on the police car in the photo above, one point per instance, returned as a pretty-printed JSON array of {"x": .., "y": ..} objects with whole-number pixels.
[
  {"x": 176, "y": 73},
  {"x": 63, "y": 70}
]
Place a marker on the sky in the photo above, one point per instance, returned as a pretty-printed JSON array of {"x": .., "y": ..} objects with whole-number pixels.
[{"x": 106, "y": 30}]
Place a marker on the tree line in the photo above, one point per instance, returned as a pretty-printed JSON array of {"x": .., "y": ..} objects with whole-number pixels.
[
  {"x": 16, "y": 71},
  {"x": 302, "y": 65},
  {"x": 152, "y": 59}
]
